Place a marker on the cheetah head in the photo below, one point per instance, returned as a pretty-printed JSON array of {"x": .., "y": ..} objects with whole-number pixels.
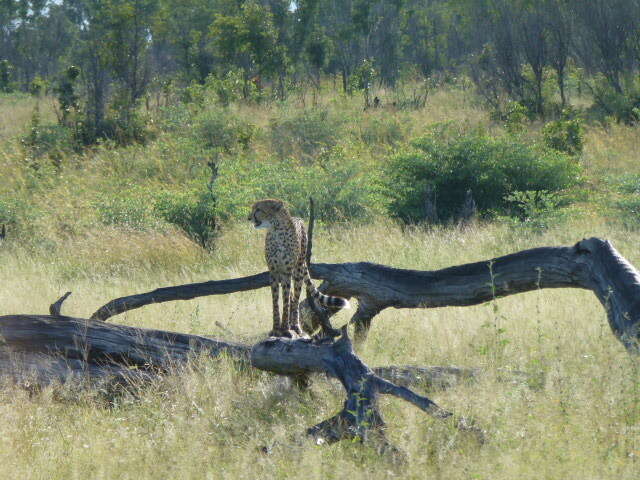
[{"x": 263, "y": 212}]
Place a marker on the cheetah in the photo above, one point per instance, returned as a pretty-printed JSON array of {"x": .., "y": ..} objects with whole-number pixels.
[{"x": 286, "y": 252}]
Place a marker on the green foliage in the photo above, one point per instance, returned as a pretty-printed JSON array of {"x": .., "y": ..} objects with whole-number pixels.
[
  {"x": 362, "y": 80},
  {"x": 227, "y": 87},
  {"x": 5, "y": 76},
  {"x": 452, "y": 161},
  {"x": 304, "y": 134},
  {"x": 132, "y": 210},
  {"x": 343, "y": 187},
  {"x": 51, "y": 141},
  {"x": 514, "y": 115},
  {"x": 627, "y": 211},
  {"x": 565, "y": 135},
  {"x": 125, "y": 127},
  {"x": 11, "y": 210},
  {"x": 381, "y": 130},
  {"x": 537, "y": 209},
  {"x": 219, "y": 129},
  {"x": 67, "y": 96},
  {"x": 625, "y": 206},
  {"x": 623, "y": 107},
  {"x": 38, "y": 86},
  {"x": 193, "y": 211}
]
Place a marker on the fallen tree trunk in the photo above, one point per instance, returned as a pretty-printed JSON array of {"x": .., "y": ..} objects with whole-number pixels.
[
  {"x": 592, "y": 264},
  {"x": 360, "y": 414},
  {"x": 38, "y": 350}
]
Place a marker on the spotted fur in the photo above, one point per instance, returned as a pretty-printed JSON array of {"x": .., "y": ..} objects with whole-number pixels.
[{"x": 286, "y": 252}]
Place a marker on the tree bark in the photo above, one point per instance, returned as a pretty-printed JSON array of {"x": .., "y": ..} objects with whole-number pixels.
[
  {"x": 38, "y": 350},
  {"x": 592, "y": 264}
]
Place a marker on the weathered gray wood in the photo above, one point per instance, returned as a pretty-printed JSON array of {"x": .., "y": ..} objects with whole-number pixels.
[
  {"x": 56, "y": 307},
  {"x": 182, "y": 292},
  {"x": 592, "y": 264},
  {"x": 57, "y": 348},
  {"x": 38, "y": 350},
  {"x": 360, "y": 414}
]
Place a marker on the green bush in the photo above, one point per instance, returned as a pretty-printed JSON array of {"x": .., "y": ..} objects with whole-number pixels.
[
  {"x": 193, "y": 211},
  {"x": 514, "y": 116},
  {"x": 623, "y": 107},
  {"x": 537, "y": 209},
  {"x": 343, "y": 187},
  {"x": 305, "y": 134},
  {"x": 565, "y": 135},
  {"x": 52, "y": 141},
  {"x": 220, "y": 129},
  {"x": 453, "y": 161}
]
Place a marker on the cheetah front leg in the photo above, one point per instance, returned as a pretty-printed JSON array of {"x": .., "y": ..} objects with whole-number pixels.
[
  {"x": 285, "y": 282},
  {"x": 275, "y": 296}
]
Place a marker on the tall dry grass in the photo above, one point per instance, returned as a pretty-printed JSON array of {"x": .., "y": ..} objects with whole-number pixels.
[{"x": 210, "y": 421}]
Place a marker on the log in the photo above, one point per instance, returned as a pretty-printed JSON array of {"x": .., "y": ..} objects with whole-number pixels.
[
  {"x": 39, "y": 350},
  {"x": 360, "y": 415},
  {"x": 592, "y": 264}
]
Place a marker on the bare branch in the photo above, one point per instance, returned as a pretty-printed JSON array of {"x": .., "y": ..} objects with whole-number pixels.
[{"x": 592, "y": 264}]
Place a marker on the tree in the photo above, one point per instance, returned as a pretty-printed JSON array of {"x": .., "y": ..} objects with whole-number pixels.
[
  {"x": 127, "y": 29},
  {"x": 185, "y": 29},
  {"x": 249, "y": 41}
]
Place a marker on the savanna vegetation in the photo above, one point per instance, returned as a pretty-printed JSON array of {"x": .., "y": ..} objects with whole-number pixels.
[{"x": 134, "y": 136}]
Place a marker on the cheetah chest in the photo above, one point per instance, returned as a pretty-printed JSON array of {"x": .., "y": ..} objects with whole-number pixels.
[{"x": 282, "y": 250}]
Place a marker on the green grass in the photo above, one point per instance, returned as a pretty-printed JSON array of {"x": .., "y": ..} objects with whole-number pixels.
[{"x": 211, "y": 420}]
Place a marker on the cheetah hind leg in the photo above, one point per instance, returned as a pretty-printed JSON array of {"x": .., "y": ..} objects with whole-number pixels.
[{"x": 294, "y": 322}]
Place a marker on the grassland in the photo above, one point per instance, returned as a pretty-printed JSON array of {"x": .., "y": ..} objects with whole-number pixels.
[{"x": 210, "y": 422}]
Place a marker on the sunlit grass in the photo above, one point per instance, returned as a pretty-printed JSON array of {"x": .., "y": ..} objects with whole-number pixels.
[{"x": 212, "y": 420}]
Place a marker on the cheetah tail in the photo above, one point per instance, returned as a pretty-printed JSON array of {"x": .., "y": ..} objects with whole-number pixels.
[{"x": 321, "y": 298}]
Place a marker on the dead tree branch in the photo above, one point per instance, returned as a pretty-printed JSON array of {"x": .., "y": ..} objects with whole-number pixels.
[
  {"x": 360, "y": 414},
  {"x": 38, "y": 350},
  {"x": 591, "y": 264}
]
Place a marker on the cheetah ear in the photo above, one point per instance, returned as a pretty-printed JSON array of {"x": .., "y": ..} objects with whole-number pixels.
[
  {"x": 3, "y": 232},
  {"x": 278, "y": 206}
]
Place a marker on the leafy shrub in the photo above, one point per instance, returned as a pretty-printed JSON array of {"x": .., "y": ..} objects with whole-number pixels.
[
  {"x": 565, "y": 135},
  {"x": 177, "y": 117},
  {"x": 227, "y": 87},
  {"x": 623, "y": 107},
  {"x": 10, "y": 211},
  {"x": 304, "y": 134},
  {"x": 221, "y": 130},
  {"x": 536, "y": 209},
  {"x": 514, "y": 115},
  {"x": 453, "y": 161},
  {"x": 343, "y": 187},
  {"x": 125, "y": 128},
  {"x": 52, "y": 141},
  {"x": 193, "y": 211},
  {"x": 625, "y": 206}
]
